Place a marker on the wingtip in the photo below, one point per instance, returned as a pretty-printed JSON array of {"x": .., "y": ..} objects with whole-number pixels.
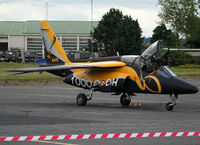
[
  {"x": 10, "y": 70},
  {"x": 17, "y": 73}
]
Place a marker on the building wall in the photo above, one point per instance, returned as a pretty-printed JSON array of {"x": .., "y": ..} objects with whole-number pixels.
[
  {"x": 33, "y": 42},
  {"x": 25, "y": 35},
  {"x": 71, "y": 43},
  {"x": 3, "y": 39},
  {"x": 17, "y": 42}
]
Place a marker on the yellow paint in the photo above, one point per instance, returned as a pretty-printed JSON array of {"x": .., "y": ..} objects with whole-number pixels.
[
  {"x": 115, "y": 69},
  {"x": 48, "y": 56},
  {"x": 157, "y": 82},
  {"x": 101, "y": 75},
  {"x": 54, "y": 59},
  {"x": 57, "y": 44},
  {"x": 103, "y": 64},
  {"x": 137, "y": 104},
  {"x": 122, "y": 72},
  {"x": 51, "y": 142},
  {"x": 135, "y": 77}
]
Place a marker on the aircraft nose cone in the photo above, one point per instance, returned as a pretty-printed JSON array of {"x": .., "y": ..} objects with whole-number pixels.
[
  {"x": 195, "y": 90},
  {"x": 185, "y": 87},
  {"x": 191, "y": 89}
]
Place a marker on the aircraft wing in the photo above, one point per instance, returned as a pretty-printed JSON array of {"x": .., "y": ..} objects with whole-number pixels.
[
  {"x": 88, "y": 65},
  {"x": 103, "y": 64}
]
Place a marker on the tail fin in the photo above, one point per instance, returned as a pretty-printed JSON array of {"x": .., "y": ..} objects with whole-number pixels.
[{"x": 54, "y": 52}]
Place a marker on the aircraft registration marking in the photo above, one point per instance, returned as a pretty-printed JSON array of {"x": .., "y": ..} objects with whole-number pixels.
[{"x": 88, "y": 83}]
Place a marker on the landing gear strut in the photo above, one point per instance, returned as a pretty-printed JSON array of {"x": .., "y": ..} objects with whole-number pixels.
[
  {"x": 170, "y": 105},
  {"x": 81, "y": 99},
  {"x": 125, "y": 99}
]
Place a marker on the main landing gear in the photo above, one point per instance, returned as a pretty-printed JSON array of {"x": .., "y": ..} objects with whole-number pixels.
[
  {"x": 170, "y": 105},
  {"x": 81, "y": 99},
  {"x": 125, "y": 99}
]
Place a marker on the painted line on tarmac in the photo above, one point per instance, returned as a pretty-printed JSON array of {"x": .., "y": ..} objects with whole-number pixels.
[
  {"x": 51, "y": 142},
  {"x": 99, "y": 136}
]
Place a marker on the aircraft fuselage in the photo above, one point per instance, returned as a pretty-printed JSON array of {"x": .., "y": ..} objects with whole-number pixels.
[{"x": 127, "y": 79}]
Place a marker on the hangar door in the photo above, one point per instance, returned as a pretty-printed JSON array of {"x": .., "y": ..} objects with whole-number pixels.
[{"x": 3, "y": 43}]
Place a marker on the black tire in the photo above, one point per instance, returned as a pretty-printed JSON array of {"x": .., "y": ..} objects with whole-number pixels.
[
  {"x": 124, "y": 101},
  {"x": 169, "y": 106},
  {"x": 81, "y": 99}
]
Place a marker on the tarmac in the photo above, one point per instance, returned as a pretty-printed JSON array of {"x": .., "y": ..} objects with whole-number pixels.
[{"x": 52, "y": 110}]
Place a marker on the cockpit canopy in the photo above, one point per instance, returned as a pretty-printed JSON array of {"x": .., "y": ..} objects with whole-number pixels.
[
  {"x": 151, "y": 60},
  {"x": 165, "y": 72},
  {"x": 156, "y": 50}
]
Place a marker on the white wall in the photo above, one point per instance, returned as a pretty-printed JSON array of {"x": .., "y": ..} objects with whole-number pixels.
[{"x": 17, "y": 42}]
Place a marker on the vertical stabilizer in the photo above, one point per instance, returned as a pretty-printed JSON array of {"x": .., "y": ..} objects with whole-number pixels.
[{"x": 54, "y": 51}]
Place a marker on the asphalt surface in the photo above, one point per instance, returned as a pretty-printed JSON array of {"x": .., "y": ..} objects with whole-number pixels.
[{"x": 52, "y": 110}]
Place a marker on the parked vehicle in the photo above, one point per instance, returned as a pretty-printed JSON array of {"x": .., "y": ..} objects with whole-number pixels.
[
  {"x": 2, "y": 56},
  {"x": 30, "y": 56},
  {"x": 11, "y": 55}
]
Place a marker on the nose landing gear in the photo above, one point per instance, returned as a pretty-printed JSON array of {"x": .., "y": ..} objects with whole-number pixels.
[{"x": 170, "y": 105}]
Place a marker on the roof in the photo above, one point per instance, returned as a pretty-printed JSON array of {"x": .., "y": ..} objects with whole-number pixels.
[
  {"x": 10, "y": 27},
  {"x": 33, "y": 27}
]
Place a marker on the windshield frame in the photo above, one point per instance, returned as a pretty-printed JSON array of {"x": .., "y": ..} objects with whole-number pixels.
[
  {"x": 154, "y": 49},
  {"x": 165, "y": 72},
  {"x": 145, "y": 55}
]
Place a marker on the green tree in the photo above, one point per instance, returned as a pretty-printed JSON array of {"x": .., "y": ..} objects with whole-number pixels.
[
  {"x": 104, "y": 33},
  {"x": 194, "y": 38},
  {"x": 180, "y": 15},
  {"x": 162, "y": 33},
  {"x": 128, "y": 38},
  {"x": 116, "y": 32},
  {"x": 179, "y": 58}
]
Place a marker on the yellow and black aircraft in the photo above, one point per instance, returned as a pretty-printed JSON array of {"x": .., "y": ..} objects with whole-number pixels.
[{"x": 124, "y": 75}]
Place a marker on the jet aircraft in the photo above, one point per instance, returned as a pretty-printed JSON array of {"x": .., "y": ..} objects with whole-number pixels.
[{"x": 125, "y": 75}]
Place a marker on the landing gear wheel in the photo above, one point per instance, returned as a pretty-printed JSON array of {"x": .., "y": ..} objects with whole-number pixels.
[
  {"x": 81, "y": 99},
  {"x": 169, "y": 106},
  {"x": 124, "y": 101}
]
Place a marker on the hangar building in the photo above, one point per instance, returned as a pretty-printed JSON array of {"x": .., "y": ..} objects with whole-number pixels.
[{"x": 25, "y": 35}]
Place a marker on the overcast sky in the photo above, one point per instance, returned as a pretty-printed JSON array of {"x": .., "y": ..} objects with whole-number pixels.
[{"x": 145, "y": 11}]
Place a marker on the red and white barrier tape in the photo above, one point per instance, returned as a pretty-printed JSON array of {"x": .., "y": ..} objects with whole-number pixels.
[{"x": 98, "y": 136}]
